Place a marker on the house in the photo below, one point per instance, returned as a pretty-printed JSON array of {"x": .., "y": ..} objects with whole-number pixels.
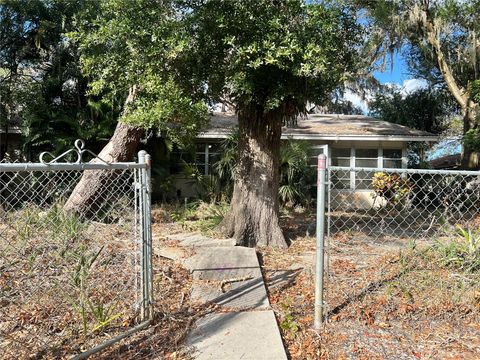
[
  {"x": 348, "y": 140},
  {"x": 10, "y": 142}
]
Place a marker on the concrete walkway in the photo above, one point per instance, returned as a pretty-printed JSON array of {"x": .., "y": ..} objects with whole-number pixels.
[{"x": 230, "y": 276}]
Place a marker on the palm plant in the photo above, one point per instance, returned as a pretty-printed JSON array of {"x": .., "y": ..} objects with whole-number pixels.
[
  {"x": 225, "y": 167},
  {"x": 296, "y": 174}
]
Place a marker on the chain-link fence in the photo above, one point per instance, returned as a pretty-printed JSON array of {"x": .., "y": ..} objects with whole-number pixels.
[
  {"x": 401, "y": 204},
  {"x": 72, "y": 277},
  {"x": 374, "y": 213}
]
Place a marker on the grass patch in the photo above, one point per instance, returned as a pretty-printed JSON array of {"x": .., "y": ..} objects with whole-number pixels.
[{"x": 200, "y": 216}]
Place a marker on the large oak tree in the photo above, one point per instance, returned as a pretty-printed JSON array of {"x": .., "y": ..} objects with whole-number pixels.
[{"x": 267, "y": 57}]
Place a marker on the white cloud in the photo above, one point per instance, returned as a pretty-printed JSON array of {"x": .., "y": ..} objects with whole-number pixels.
[
  {"x": 356, "y": 100},
  {"x": 411, "y": 85}
]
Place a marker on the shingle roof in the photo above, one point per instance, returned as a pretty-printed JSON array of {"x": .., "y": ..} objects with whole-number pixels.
[{"x": 326, "y": 125}]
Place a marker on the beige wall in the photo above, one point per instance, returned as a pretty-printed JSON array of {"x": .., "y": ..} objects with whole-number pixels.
[{"x": 361, "y": 197}]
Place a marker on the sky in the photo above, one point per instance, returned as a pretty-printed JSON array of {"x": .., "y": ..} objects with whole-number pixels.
[{"x": 397, "y": 75}]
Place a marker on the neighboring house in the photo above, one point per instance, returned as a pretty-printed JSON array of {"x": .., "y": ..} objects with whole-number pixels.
[
  {"x": 446, "y": 154},
  {"x": 10, "y": 143},
  {"x": 352, "y": 140},
  {"x": 447, "y": 162}
]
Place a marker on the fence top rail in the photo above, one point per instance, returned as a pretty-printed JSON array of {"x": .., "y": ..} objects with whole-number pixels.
[
  {"x": 16, "y": 167},
  {"x": 406, "y": 171}
]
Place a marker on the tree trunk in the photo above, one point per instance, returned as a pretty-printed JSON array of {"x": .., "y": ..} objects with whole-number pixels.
[
  {"x": 470, "y": 157},
  {"x": 121, "y": 147},
  {"x": 253, "y": 216}
]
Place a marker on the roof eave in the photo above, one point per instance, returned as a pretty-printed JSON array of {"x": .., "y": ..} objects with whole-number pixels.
[{"x": 406, "y": 138}]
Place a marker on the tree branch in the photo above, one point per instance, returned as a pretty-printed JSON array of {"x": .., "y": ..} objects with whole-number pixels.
[{"x": 433, "y": 39}]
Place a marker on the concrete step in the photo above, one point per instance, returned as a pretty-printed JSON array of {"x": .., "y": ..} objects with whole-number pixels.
[
  {"x": 199, "y": 240},
  {"x": 228, "y": 276}
]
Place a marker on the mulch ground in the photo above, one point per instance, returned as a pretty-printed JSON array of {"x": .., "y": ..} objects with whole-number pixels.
[{"x": 384, "y": 300}]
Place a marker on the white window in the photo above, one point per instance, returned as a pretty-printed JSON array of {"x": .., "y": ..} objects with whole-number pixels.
[
  {"x": 361, "y": 158},
  {"x": 342, "y": 157},
  {"x": 365, "y": 158}
]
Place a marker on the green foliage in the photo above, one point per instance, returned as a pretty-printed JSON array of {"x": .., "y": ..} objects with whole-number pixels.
[
  {"x": 288, "y": 322},
  {"x": 134, "y": 48},
  {"x": 476, "y": 90},
  {"x": 87, "y": 308},
  {"x": 297, "y": 177},
  {"x": 391, "y": 187},
  {"x": 471, "y": 139},
  {"x": 41, "y": 87},
  {"x": 424, "y": 109},
  {"x": 463, "y": 252},
  {"x": 200, "y": 216},
  {"x": 270, "y": 53},
  {"x": 225, "y": 167}
]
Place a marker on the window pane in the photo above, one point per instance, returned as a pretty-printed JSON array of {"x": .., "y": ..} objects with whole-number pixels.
[
  {"x": 200, "y": 147},
  {"x": 366, "y": 153},
  {"x": 213, "y": 158},
  {"x": 364, "y": 184},
  {"x": 340, "y": 152},
  {"x": 214, "y": 148},
  {"x": 363, "y": 180},
  {"x": 394, "y": 164},
  {"x": 341, "y": 162},
  {"x": 199, "y": 158},
  {"x": 366, "y": 162},
  {"x": 392, "y": 153}
]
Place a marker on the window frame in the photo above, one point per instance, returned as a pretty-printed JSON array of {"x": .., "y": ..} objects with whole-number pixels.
[{"x": 379, "y": 162}]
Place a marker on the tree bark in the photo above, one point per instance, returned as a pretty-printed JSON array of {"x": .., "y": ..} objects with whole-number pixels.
[
  {"x": 470, "y": 157},
  {"x": 84, "y": 200},
  {"x": 253, "y": 216}
]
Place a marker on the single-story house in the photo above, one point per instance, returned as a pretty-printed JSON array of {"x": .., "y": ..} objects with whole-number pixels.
[{"x": 351, "y": 140}]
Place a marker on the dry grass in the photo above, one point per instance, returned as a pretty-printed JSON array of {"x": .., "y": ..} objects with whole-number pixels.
[
  {"x": 385, "y": 300},
  {"x": 66, "y": 286}
]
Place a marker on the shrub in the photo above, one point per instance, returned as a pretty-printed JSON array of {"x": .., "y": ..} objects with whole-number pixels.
[
  {"x": 391, "y": 187},
  {"x": 462, "y": 252}
]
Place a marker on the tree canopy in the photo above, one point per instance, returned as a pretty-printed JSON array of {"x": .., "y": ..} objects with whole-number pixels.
[
  {"x": 270, "y": 53},
  {"x": 135, "y": 47},
  {"x": 424, "y": 109},
  {"x": 442, "y": 39}
]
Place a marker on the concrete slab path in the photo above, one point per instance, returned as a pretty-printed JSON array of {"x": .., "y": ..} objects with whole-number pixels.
[{"x": 230, "y": 276}]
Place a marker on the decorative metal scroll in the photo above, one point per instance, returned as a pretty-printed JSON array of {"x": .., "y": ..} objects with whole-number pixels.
[{"x": 79, "y": 151}]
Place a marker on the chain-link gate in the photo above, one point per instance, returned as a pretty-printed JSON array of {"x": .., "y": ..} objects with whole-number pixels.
[
  {"x": 375, "y": 212},
  {"x": 72, "y": 281}
]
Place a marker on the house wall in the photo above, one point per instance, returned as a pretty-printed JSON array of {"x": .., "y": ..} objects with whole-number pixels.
[{"x": 185, "y": 188}]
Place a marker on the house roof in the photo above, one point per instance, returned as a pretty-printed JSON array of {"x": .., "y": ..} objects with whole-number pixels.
[
  {"x": 328, "y": 127},
  {"x": 447, "y": 162}
]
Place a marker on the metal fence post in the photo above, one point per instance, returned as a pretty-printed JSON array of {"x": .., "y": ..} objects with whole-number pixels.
[
  {"x": 145, "y": 235},
  {"x": 148, "y": 233},
  {"x": 320, "y": 231}
]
